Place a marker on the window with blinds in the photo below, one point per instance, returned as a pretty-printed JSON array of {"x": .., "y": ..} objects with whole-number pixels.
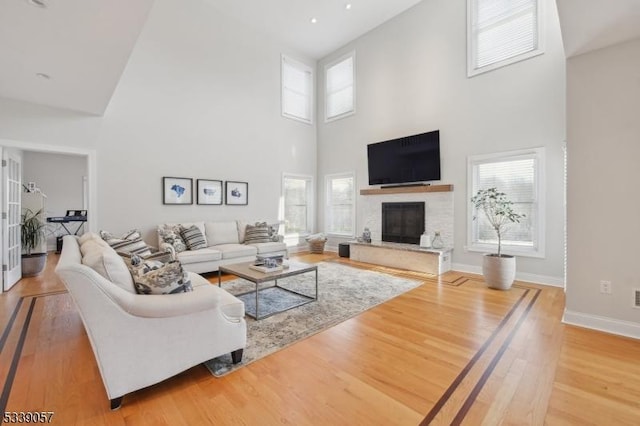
[
  {"x": 518, "y": 174},
  {"x": 340, "y": 209},
  {"x": 297, "y": 194},
  {"x": 501, "y": 32},
  {"x": 297, "y": 90},
  {"x": 340, "y": 88}
]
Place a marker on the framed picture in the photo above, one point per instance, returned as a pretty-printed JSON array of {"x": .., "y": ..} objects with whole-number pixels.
[
  {"x": 177, "y": 190},
  {"x": 209, "y": 191},
  {"x": 237, "y": 193}
]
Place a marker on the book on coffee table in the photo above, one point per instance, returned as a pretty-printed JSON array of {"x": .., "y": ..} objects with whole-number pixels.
[{"x": 264, "y": 269}]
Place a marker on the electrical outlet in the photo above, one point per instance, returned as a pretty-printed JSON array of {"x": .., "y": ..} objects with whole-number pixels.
[{"x": 605, "y": 287}]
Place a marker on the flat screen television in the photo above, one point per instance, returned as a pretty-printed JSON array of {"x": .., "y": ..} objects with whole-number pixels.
[{"x": 410, "y": 159}]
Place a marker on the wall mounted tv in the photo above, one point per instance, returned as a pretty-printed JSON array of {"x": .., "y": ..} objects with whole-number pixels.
[{"x": 405, "y": 160}]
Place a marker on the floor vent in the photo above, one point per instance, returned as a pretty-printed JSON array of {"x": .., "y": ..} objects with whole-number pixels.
[{"x": 636, "y": 298}]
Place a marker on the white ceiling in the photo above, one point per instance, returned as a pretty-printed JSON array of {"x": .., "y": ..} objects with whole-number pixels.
[
  {"x": 588, "y": 25},
  {"x": 289, "y": 20},
  {"x": 84, "y": 45}
]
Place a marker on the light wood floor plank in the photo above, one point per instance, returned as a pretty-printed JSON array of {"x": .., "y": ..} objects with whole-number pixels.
[{"x": 389, "y": 365}]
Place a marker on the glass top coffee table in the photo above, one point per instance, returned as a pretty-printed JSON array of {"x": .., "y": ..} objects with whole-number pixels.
[{"x": 275, "y": 298}]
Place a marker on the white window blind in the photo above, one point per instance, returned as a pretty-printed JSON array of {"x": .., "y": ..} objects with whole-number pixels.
[
  {"x": 340, "y": 204},
  {"x": 519, "y": 175},
  {"x": 297, "y": 90},
  {"x": 340, "y": 88},
  {"x": 298, "y": 208},
  {"x": 502, "y": 32}
]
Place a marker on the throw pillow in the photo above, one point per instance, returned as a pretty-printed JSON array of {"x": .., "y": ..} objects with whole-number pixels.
[
  {"x": 273, "y": 231},
  {"x": 170, "y": 234},
  {"x": 193, "y": 238},
  {"x": 87, "y": 236},
  {"x": 130, "y": 242},
  {"x": 258, "y": 233},
  {"x": 111, "y": 266},
  {"x": 162, "y": 256},
  {"x": 155, "y": 277}
]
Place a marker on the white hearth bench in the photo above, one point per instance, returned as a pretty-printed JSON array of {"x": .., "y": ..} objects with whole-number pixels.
[
  {"x": 404, "y": 256},
  {"x": 438, "y": 201}
]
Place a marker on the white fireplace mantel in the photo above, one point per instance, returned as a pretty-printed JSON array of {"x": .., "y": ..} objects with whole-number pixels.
[{"x": 438, "y": 208}]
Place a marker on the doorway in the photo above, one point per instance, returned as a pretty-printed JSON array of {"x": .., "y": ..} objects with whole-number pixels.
[{"x": 87, "y": 187}]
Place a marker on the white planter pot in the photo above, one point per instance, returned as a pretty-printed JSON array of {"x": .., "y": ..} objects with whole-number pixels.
[
  {"x": 33, "y": 264},
  {"x": 499, "y": 272}
]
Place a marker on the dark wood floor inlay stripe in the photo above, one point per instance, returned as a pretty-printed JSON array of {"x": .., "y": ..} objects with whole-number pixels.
[
  {"x": 456, "y": 382},
  {"x": 4, "y": 398},
  {"x": 485, "y": 376},
  {"x": 7, "y": 329}
]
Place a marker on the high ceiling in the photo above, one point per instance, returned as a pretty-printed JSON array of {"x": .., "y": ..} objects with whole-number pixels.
[
  {"x": 71, "y": 53},
  {"x": 588, "y": 25}
]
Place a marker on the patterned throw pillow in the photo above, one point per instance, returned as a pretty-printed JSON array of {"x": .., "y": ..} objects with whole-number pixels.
[
  {"x": 258, "y": 233},
  {"x": 273, "y": 231},
  {"x": 130, "y": 242},
  {"x": 170, "y": 234},
  {"x": 161, "y": 256},
  {"x": 193, "y": 238},
  {"x": 155, "y": 277}
]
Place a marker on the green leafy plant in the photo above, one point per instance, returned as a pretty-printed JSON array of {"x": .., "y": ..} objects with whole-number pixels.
[
  {"x": 32, "y": 230},
  {"x": 498, "y": 209}
]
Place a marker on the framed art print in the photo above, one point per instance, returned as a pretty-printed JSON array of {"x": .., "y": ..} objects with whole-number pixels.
[
  {"x": 209, "y": 191},
  {"x": 237, "y": 193},
  {"x": 177, "y": 190}
]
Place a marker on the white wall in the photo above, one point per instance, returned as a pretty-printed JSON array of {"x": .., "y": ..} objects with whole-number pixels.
[
  {"x": 199, "y": 98},
  {"x": 603, "y": 100},
  {"x": 60, "y": 178},
  {"x": 411, "y": 78}
]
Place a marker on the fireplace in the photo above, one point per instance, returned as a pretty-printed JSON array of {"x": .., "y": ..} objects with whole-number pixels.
[{"x": 403, "y": 222}]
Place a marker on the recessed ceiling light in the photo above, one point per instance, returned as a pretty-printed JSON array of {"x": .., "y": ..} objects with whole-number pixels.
[
  {"x": 347, "y": 6},
  {"x": 37, "y": 3},
  {"x": 43, "y": 76},
  {"x": 314, "y": 20}
]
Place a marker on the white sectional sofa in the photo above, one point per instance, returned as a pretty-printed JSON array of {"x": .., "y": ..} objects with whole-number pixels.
[
  {"x": 138, "y": 339},
  {"x": 225, "y": 242}
]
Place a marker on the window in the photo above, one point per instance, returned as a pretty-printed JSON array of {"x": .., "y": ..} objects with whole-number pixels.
[
  {"x": 297, "y": 193},
  {"x": 341, "y": 209},
  {"x": 340, "y": 88},
  {"x": 297, "y": 90},
  {"x": 519, "y": 174},
  {"x": 501, "y": 32}
]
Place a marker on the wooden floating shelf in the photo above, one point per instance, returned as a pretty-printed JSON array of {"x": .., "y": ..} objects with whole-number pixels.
[{"x": 407, "y": 189}]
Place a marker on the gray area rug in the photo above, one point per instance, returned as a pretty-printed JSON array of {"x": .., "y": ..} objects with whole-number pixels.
[
  {"x": 343, "y": 292},
  {"x": 273, "y": 300}
]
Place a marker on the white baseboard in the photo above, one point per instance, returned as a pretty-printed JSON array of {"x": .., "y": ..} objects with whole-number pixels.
[
  {"x": 297, "y": 249},
  {"x": 305, "y": 247},
  {"x": 606, "y": 324},
  {"x": 520, "y": 276},
  {"x": 332, "y": 248}
]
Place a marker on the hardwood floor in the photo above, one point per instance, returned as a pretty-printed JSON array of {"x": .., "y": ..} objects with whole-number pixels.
[{"x": 450, "y": 351}]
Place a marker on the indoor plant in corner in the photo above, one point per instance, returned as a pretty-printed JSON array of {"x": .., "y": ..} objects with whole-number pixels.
[
  {"x": 32, "y": 234},
  {"x": 499, "y": 269}
]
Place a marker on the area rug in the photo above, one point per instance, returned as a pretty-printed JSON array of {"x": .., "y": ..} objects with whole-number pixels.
[
  {"x": 273, "y": 300},
  {"x": 343, "y": 292}
]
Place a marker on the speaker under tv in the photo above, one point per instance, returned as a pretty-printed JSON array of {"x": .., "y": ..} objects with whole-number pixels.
[{"x": 407, "y": 160}]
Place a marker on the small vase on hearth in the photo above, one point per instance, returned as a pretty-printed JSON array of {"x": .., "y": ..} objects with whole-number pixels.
[{"x": 437, "y": 242}]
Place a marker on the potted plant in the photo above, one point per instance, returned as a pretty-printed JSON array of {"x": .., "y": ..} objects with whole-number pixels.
[
  {"x": 32, "y": 234},
  {"x": 499, "y": 269}
]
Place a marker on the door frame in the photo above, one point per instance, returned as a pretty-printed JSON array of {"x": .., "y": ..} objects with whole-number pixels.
[
  {"x": 11, "y": 276},
  {"x": 92, "y": 188}
]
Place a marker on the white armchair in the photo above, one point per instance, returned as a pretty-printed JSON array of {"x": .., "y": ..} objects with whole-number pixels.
[{"x": 139, "y": 340}]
